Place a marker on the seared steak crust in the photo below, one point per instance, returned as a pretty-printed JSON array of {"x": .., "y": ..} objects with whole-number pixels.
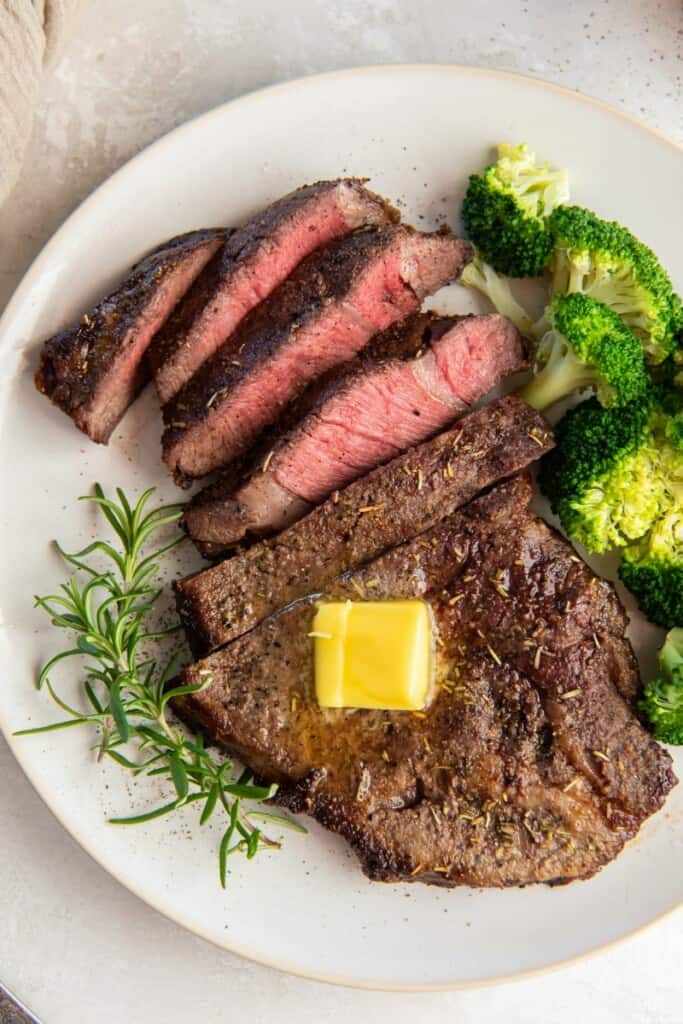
[
  {"x": 529, "y": 765},
  {"x": 400, "y": 500},
  {"x": 94, "y": 371}
]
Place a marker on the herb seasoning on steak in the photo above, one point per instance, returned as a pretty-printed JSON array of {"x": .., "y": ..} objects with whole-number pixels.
[
  {"x": 529, "y": 765},
  {"x": 391, "y": 504}
]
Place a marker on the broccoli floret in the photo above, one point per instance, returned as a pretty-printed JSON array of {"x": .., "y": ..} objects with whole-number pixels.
[
  {"x": 587, "y": 346},
  {"x": 662, "y": 700},
  {"x": 674, "y": 431},
  {"x": 652, "y": 569},
  {"x": 671, "y": 404},
  {"x": 605, "y": 261},
  {"x": 677, "y": 359},
  {"x": 484, "y": 279},
  {"x": 607, "y": 479},
  {"x": 506, "y": 209}
]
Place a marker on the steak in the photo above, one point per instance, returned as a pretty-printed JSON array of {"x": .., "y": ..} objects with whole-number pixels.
[
  {"x": 321, "y": 316},
  {"x": 95, "y": 370},
  {"x": 529, "y": 764},
  {"x": 252, "y": 263},
  {"x": 391, "y": 504},
  {"x": 362, "y": 419}
]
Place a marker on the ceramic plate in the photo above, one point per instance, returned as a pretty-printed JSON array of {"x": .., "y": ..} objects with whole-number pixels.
[{"x": 416, "y": 132}]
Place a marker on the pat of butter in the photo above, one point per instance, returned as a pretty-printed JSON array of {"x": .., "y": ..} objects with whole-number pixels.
[{"x": 373, "y": 654}]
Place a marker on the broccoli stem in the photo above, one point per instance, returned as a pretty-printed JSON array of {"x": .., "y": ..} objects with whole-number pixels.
[
  {"x": 568, "y": 275},
  {"x": 541, "y": 327},
  {"x": 562, "y": 374},
  {"x": 484, "y": 279}
]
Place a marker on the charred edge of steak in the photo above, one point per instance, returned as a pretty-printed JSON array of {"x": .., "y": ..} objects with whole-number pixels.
[
  {"x": 247, "y": 240},
  {"x": 182, "y": 317},
  {"x": 74, "y": 363}
]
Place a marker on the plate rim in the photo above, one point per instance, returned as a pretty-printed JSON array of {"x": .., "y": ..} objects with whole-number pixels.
[
  {"x": 270, "y": 90},
  {"x": 17, "y": 299}
]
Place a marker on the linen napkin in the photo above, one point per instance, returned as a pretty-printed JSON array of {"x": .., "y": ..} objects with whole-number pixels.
[{"x": 32, "y": 34}]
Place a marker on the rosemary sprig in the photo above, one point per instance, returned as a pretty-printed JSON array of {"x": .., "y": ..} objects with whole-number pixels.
[{"x": 127, "y": 688}]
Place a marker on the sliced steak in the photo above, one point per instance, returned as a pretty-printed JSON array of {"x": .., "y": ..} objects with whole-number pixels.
[
  {"x": 364, "y": 418},
  {"x": 213, "y": 511},
  {"x": 321, "y": 316},
  {"x": 529, "y": 765},
  {"x": 95, "y": 370},
  {"x": 251, "y": 264},
  {"x": 391, "y": 504}
]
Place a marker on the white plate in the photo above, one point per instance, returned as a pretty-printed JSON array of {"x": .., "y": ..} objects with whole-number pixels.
[{"x": 417, "y": 132}]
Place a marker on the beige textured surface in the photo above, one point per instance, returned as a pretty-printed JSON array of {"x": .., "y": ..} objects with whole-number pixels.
[
  {"x": 32, "y": 37},
  {"x": 73, "y": 943}
]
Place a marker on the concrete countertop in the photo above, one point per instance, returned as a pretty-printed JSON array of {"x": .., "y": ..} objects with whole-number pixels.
[{"x": 74, "y": 944}]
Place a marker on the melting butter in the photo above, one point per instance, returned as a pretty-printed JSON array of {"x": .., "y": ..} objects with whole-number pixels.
[{"x": 373, "y": 654}]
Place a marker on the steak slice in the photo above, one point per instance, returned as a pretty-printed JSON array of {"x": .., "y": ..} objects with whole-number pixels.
[
  {"x": 391, "y": 504},
  {"x": 95, "y": 370},
  {"x": 362, "y": 419},
  {"x": 529, "y": 765},
  {"x": 251, "y": 264},
  {"x": 321, "y": 316}
]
